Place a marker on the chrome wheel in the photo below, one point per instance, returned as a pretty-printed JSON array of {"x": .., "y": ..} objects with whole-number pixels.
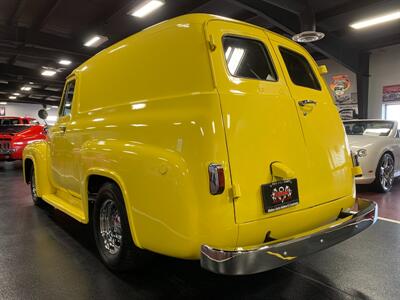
[
  {"x": 386, "y": 172},
  {"x": 110, "y": 226},
  {"x": 33, "y": 187}
]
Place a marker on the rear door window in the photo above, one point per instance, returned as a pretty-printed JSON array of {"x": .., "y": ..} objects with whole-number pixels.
[
  {"x": 248, "y": 58},
  {"x": 299, "y": 69}
]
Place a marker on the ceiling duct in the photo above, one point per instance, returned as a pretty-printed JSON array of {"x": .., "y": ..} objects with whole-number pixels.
[{"x": 306, "y": 14}]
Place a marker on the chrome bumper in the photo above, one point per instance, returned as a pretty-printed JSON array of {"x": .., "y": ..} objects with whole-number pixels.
[{"x": 255, "y": 259}]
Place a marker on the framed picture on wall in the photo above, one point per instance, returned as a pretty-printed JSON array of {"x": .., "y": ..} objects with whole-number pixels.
[
  {"x": 391, "y": 93},
  {"x": 2, "y": 110}
]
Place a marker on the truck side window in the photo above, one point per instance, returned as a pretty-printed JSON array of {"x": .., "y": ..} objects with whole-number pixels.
[
  {"x": 67, "y": 99},
  {"x": 299, "y": 69},
  {"x": 248, "y": 58}
]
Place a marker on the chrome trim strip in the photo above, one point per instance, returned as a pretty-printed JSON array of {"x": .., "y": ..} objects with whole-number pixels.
[{"x": 273, "y": 255}]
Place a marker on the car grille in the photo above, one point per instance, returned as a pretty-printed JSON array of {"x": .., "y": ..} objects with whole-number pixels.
[{"x": 5, "y": 144}]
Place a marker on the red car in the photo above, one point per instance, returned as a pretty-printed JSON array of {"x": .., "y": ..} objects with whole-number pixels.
[{"x": 16, "y": 133}]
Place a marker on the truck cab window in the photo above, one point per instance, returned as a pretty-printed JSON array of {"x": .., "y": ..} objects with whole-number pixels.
[
  {"x": 299, "y": 69},
  {"x": 248, "y": 58},
  {"x": 67, "y": 99}
]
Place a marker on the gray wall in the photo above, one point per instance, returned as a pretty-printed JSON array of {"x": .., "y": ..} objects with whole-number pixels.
[
  {"x": 384, "y": 68},
  {"x": 335, "y": 68}
]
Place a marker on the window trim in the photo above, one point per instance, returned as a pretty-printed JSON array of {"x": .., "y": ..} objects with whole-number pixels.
[
  {"x": 290, "y": 77},
  {"x": 62, "y": 104},
  {"x": 252, "y": 39}
]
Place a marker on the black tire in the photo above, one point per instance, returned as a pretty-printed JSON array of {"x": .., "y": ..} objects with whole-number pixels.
[
  {"x": 36, "y": 200},
  {"x": 384, "y": 174},
  {"x": 118, "y": 252}
]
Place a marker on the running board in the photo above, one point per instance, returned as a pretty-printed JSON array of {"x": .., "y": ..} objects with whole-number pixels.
[{"x": 65, "y": 207}]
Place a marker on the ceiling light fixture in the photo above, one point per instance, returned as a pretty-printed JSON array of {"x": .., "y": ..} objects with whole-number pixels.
[
  {"x": 3, "y": 103},
  {"x": 308, "y": 36},
  {"x": 95, "y": 41},
  {"x": 64, "y": 62},
  {"x": 12, "y": 97},
  {"x": 26, "y": 88},
  {"x": 48, "y": 73},
  {"x": 146, "y": 8},
  {"x": 377, "y": 20},
  {"x": 16, "y": 94}
]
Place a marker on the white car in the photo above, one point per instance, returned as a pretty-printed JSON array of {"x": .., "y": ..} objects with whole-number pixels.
[{"x": 377, "y": 145}]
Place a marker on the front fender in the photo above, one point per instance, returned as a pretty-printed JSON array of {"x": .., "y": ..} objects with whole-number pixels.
[{"x": 36, "y": 152}]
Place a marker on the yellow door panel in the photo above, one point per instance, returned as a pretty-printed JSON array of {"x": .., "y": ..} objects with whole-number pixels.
[
  {"x": 330, "y": 160},
  {"x": 262, "y": 126}
]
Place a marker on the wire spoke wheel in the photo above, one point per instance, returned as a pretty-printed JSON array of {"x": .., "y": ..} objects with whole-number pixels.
[
  {"x": 110, "y": 227},
  {"x": 33, "y": 187}
]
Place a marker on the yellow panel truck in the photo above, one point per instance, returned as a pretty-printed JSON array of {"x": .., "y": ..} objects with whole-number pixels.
[{"x": 201, "y": 138}]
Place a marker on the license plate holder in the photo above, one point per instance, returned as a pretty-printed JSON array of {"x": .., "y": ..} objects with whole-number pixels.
[{"x": 279, "y": 195}]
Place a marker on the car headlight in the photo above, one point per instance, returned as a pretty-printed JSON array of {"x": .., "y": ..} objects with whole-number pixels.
[{"x": 362, "y": 152}]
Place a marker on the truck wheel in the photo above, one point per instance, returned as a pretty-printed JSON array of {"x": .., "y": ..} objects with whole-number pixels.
[
  {"x": 36, "y": 200},
  {"x": 384, "y": 174},
  {"x": 112, "y": 232}
]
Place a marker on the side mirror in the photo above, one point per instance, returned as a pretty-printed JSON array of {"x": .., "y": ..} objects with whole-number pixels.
[
  {"x": 322, "y": 69},
  {"x": 43, "y": 114}
]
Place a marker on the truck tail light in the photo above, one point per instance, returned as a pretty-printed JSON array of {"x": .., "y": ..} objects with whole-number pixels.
[{"x": 217, "y": 179}]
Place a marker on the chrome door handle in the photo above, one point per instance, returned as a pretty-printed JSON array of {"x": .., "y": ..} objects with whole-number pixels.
[{"x": 305, "y": 102}]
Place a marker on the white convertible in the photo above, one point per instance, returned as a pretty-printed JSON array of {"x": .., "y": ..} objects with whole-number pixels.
[{"x": 377, "y": 145}]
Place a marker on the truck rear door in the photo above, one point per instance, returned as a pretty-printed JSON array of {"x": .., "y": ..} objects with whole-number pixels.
[
  {"x": 263, "y": 127},
  {"x": 323, "y": 131}
]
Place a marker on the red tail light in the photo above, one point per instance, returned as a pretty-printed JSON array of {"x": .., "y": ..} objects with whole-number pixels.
[{"x": 216, "y": 178}]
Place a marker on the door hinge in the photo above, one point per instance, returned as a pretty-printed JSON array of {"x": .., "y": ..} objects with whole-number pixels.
[
  {"x": 211, "y": 43},
  {"x": 236, "y": 191}
]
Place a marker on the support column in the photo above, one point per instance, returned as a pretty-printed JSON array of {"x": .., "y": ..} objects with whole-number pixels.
[{"x": 363, "y": 84}]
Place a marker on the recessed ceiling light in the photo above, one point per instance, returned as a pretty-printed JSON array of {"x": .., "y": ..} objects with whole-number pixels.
[
  {"x": 64, "y": 62},
  {"x": 146, "y": 8},
  {"x": 26, "y": 88},
  {"x": 30, "y": 82},
  {"x": 95, "y": 41},
  {"x": 54, "y": 106},
  {"x": 16, "y": 94},
  {"x": 48, "y": 73},
  {"x": 3, "y": 103},
  {"x": 377, "y": 20},
  {"x": 12, "y": 97}
]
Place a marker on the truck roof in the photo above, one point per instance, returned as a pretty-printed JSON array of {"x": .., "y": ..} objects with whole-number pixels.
[{"x": 194, "y": 18}]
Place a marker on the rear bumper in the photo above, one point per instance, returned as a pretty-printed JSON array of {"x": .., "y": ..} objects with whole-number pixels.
[{"x": 268, "y": 256}]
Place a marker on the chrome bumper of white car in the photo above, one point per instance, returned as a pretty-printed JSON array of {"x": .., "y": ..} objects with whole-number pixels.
[{"x": 259, "y": 258}]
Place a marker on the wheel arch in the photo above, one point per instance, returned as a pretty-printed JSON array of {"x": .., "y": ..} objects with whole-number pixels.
[
  {"x": 384, "y": 151},
  {"x": 35, "y": 155},
  {"x": 27, "y": 167},
  {"x": 95, "y": 179}
]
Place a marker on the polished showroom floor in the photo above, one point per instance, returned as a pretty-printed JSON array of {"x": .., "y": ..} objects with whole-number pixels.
[{"x": 46, "y": 255}]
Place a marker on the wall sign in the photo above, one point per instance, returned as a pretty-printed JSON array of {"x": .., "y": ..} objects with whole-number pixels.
[
  {"x": 346, "y": 101},
  {"x": 391, "y": 93}
]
